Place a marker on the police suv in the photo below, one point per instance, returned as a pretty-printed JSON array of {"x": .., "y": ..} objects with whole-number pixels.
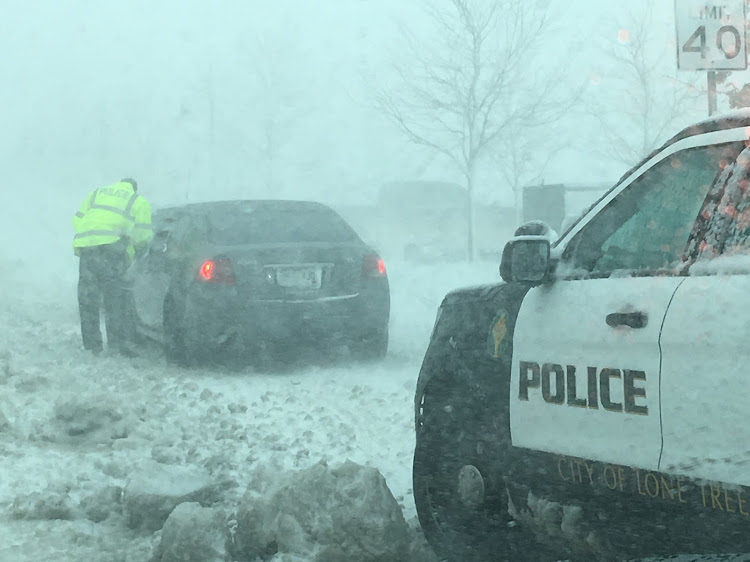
[{"x": 596, "y": 404}]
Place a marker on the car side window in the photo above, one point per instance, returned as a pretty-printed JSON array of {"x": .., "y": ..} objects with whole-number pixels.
[
  {"x": 163, "y": 226},
  {"x": 647, "y": 226},
  {"x": 723, "y": 226},
  {"x": 185, "y": 235},
  {"x": 166, "y": 244}
]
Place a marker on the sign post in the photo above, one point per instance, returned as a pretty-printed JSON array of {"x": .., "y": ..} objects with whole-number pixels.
[
  {"x": 711, "y": 37},
  {"x": 711, "y": 85}
]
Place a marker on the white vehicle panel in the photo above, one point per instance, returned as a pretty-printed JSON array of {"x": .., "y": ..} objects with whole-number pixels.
[
  {"x": 706, "y": 380},
  {"x": 613, "y": 414}
]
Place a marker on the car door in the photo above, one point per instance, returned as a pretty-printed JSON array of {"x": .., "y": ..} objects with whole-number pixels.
[
  {"x": 586, "y": 359},
  {"x": 151, "y": 275},
  {"x": 705, "y": 377}
]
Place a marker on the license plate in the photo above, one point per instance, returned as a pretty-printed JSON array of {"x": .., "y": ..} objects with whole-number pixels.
[{"x": 299, "y": 277}]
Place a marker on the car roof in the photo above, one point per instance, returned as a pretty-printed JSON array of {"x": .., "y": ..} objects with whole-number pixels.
[
  {"x": 732, "y": 120},
  {"x": 210, "y": 207},
  {"x": 722, "y": 122}
]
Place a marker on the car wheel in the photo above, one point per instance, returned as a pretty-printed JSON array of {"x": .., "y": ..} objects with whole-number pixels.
[
  {"x": 459, "y": 486},
  {"x": 232, "y": 352},
  {"x": 370, "y": 348},
  {"x": 175, "y": 348}
]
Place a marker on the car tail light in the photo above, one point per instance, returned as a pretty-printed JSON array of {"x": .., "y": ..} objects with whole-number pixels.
[
  {"x": 373, "y": 266},
  {"x": 217, "y": 271}
]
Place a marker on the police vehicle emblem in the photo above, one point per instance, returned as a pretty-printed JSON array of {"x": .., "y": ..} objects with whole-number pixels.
[{"x": 496, "y": 343}]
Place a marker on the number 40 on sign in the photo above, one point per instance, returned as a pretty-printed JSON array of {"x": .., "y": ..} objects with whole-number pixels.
[{"x": 710, "y": 34}]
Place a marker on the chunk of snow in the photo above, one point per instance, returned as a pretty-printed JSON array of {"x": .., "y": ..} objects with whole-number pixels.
[
  {"x": 153, "y": 492},
  {"x": 341, "y": 513},
  {"x": 193, "y": 533}
]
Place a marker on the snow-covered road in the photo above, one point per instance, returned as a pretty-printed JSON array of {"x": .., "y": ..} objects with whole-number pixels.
[{"x": 74, "y": 428}]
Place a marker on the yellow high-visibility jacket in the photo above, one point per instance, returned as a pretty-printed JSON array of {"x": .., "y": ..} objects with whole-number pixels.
[{"x": 110, "y": 214}]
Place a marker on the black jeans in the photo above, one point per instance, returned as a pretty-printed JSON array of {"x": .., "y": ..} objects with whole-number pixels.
[{"x": 102, "y": 279}]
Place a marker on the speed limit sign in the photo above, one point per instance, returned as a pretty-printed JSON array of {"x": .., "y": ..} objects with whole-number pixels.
[{"x": 710, "y": 34}]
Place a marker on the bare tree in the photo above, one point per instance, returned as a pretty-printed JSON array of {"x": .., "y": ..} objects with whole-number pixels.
[
  {"x": 282, "y": 100},
  {"x": 522, "y": 159},
  {"x": 473, "y": 82},
  {"x": 645, "y": 99}
]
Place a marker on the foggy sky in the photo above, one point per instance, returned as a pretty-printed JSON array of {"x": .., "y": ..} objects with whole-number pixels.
[{"x": 179, "y": 94}]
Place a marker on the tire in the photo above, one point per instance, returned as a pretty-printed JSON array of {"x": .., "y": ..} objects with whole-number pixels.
[
  {"x": 176, "y": 349},
  {"x": 459, "y": 483},
  {"x": 373, "y": 347},
  {"x": 232, "y": 353}
]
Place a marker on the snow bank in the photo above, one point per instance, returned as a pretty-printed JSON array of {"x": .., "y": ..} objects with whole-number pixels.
[
  {"x": 153, "y": 492},
  {"x": 194, "y": 534},
  {"x": 341, "y": 513},
  {"x": 316, "y": 514},
  {"x": 49, "y": 504},
  {"x": 86, "y": 418}
]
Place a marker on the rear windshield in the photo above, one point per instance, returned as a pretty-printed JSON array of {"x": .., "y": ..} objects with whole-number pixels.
[{"x": 251, "y": 225}]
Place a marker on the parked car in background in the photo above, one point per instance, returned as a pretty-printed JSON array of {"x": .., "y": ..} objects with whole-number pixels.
[
  {"x": 592, "y": 406},
  {"x": 258, "y": 276}
]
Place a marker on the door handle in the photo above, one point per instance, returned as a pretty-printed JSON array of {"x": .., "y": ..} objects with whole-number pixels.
[{"x": 630, "y": 319}]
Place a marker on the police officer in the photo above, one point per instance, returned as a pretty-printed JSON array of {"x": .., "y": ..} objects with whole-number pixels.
[{"x": 112, "y": 224}]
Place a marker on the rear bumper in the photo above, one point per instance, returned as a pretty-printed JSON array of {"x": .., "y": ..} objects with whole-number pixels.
[{"x": 216, "y": 313}]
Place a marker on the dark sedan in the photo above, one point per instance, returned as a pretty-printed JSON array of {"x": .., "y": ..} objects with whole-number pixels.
[{"x": 259, "y": 276}]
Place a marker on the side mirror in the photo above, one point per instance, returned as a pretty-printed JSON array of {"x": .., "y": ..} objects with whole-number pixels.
[{"x": 526, "y": 260}]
